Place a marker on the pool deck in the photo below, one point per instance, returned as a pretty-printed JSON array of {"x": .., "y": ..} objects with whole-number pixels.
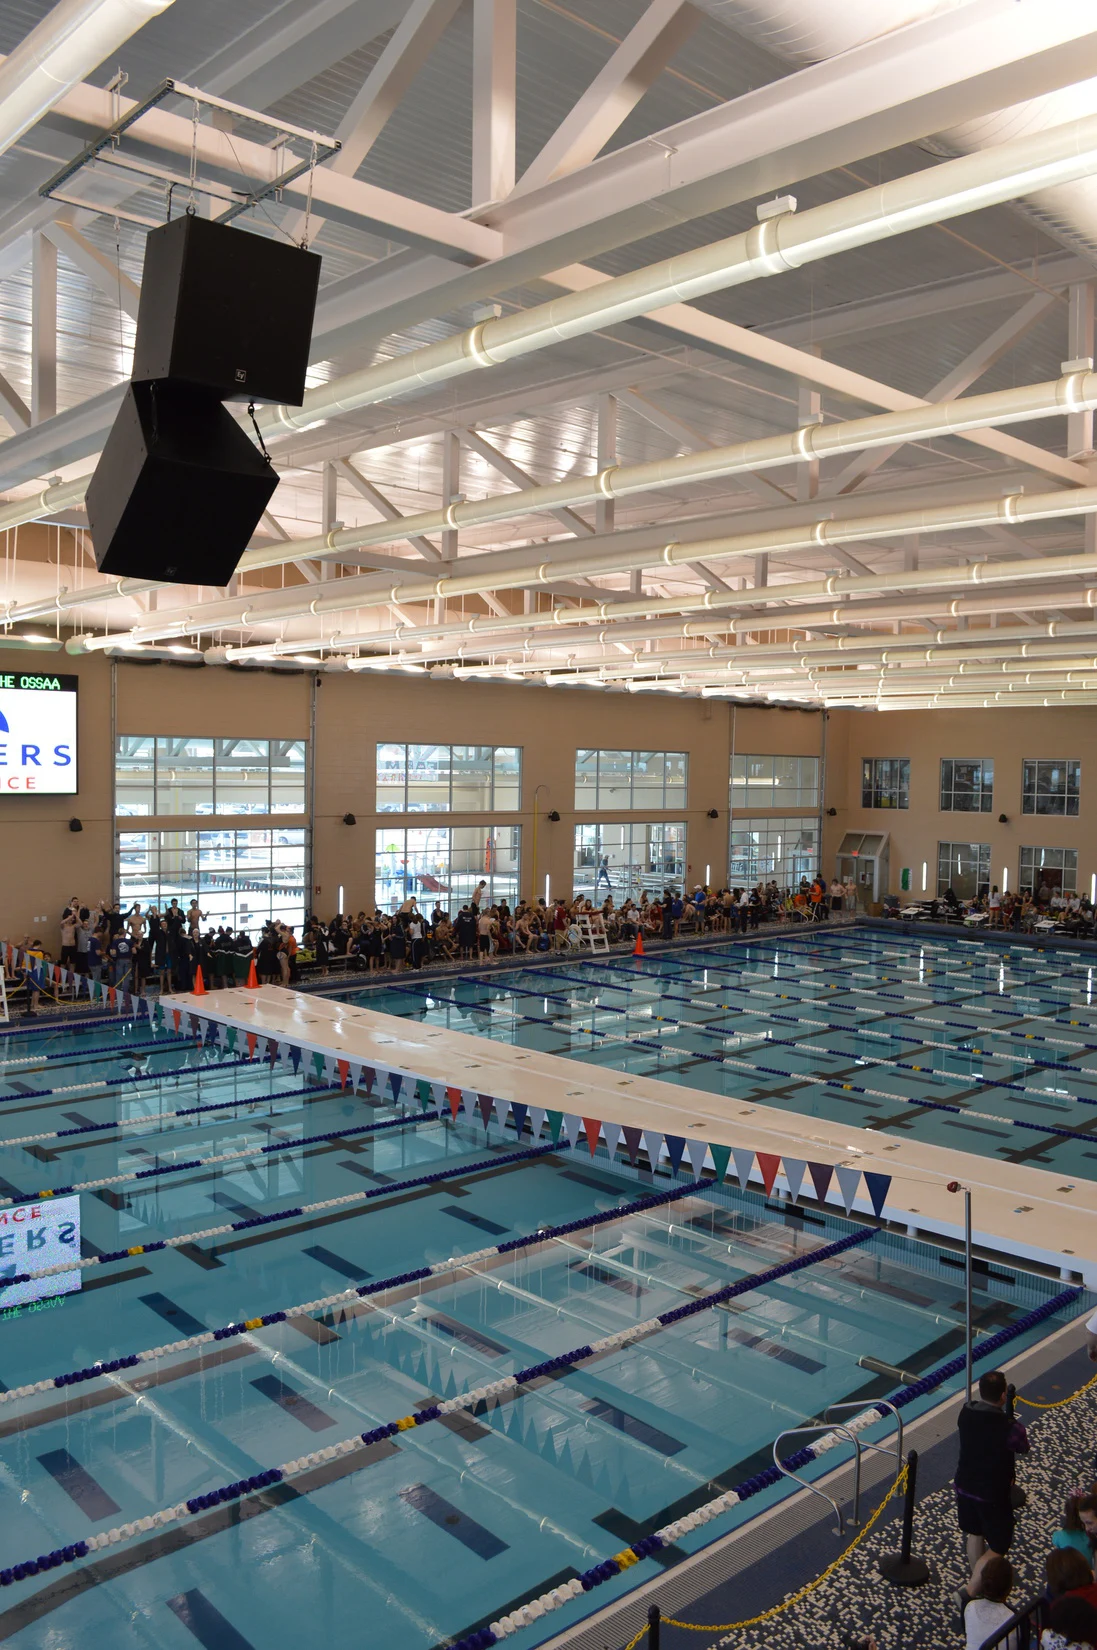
[{"x": 1027, "y": 1212}]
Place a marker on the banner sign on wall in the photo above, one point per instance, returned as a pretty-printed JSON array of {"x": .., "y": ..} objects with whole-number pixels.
[
  {"x": 34, "y": 1236},
  {"x": 38, "y": 733}
]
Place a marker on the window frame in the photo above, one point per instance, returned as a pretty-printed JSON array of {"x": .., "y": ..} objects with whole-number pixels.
[
  {"x": 766, "y": 787},
  {"x": 983, "y": 857},
  {"x": 1032, "y": 794},
  {"x": 595, "y": 794},
  {"x": 505, "y": 764},
  {"x": 982, "y": 796},
  {"x": 876, "y": 784}
]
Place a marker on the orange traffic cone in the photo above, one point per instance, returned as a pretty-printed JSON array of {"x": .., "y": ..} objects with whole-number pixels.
[
  {"x": 253, "y": 978},
  {"x": 199, "y": 983},
  {"x": 638, "y": 948}
]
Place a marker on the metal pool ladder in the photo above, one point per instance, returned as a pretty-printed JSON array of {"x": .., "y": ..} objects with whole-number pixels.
[{"x": 826, "y": 1426}]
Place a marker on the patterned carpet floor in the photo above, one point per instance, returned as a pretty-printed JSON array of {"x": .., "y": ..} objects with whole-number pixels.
[{"x": 856, "y": 1600}]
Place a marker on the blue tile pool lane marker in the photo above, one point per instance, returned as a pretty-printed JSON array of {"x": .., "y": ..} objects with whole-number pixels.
[
  {"x": 79, "y": 1485},
  {"x": 472, "y": 1535},
  {"x": 206, "y": 1622},
  {"x": 272, "y": 1149},
  {"x": 458, "y": 1171},
  {"x": 642, "y": 1205},
  {"x": 560, "y": 1363}
]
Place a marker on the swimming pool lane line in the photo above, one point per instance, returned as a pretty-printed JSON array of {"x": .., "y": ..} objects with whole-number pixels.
[
  {"x": 236, "y": 1062},
  {"x": 118, "y": 1050},
  {"x": 267, "y": 1477},
  {"x": 708, "y": 1030},
  {"x": 793, "y": 1079},
  {"x": 81, "y": 1262},
  {"x": 343, "y": 1297},
  {"x": 525, "y": 1615},
  {"x": 156, "y": 1118},
  {"x": 272, "y": 1148}
]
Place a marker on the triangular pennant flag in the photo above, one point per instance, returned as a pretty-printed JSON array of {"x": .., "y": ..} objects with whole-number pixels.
[
  {"x": 849, "y": 1181},
  {"x": 396, "y": 1083},
  {"x": 502, "y": 1112},
  {"x": 519, "y": 1114},
  {"x": 537, "y": 1115},
  {"x": 272, "y": 1050},
  {"x": 438, "y": 1095},
  {"x": 317, "y": 1059},
  {"x": 113, "y": 998},
  {"x": 232, "y": 1038},
  {"x": 675, "y": 1148},
  {"x": 454, "y": 1098},
  {"x": 572, "y": 1125},
  {"x": 556, "y": 1124},
  {"x": 632, "y": 1138},
  {"x": 877, "y": 1186},
  {"x": 769, "y": 1166},
  {"x": 821, "y": 1176},
  {"x": 344, "y": 1072},
  {"x": 611, "y": 1134},
  {"x": 252, "y": 1041},
  {"x": 422, "y": 1093},
  {"x": 653, "y": 1145},
  {"x": 369, "y": 1077},
  {"x": 696, "y": 1151},
  {"x": 721, "y": 1157},
  {"x": 794, "y": 1174},
  {"x": 484, "y": 1104},
  {"x": 329, "y": 1070},
  {"x": 177, "y": 1018},
  {"x": 592, "y": 1128},
  {"x": 295, "y": 1059}
]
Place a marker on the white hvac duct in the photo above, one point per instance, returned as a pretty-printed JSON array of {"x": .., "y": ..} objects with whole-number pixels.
[
  {"x": 71, "y": 41},
  {"x": 778, "y": 244},
  {"x": 362, "y": 593}
]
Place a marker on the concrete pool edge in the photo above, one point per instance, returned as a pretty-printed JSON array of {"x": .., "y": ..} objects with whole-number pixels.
[{"x": 717, "y": 1563}]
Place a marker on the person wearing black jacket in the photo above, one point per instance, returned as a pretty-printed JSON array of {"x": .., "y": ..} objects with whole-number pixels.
[{"x": 990, "y": 1440}]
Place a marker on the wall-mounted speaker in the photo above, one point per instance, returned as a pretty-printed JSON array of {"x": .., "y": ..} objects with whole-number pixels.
[{"x": 75, "y": 825}]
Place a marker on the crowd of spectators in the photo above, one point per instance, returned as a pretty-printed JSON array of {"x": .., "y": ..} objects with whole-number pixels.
[{"x": 1019, "y": 912}]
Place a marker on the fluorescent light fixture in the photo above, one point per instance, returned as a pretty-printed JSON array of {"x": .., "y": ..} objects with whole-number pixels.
[
  {"x": 708, "y": 875},
  {"x": 546, "y": 890},
  {"x": 1005, "y": 879},
  {"x": 925, "y": 876},
  {"x": 340, "y": 899}
]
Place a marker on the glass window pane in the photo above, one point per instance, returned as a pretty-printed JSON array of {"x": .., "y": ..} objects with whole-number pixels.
[
  {"x": 391, "y": 779},
  {"x": 508, "y": 778},
  {"x": 471, "y": 768},
  {"x": 184, "y": 776},
  {"x": 242, "y": 776},
  {"x": 647, "y": 779},
  {"x": 135, "y": 763},
  {"x": 614, "y": 779},
  {"x": 676, "y": 767},
  {"x": 586, "y": 779},
  {"x": 288, "y": 776},
  {"x": 428, "y": 779}
]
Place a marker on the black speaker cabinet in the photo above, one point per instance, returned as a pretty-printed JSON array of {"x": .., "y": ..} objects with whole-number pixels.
[
  {"x": 226, "y": 310},
  {"x": 179, "y": 488}
]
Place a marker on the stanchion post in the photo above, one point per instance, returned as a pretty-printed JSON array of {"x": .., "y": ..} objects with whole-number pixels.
[
  {"x": 653, "y": 1627},
  {"x": 904, "y": 1568}
]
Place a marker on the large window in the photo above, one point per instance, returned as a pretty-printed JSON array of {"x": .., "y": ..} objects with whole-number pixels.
[
  {"x": 444, "y": 864},
  {"x": 1049, "y": 868},
  {"x": 782, "y": 849},
  {"x": 244, "y": 878},
  {"x": 885, "y": 782},
  {"x": 202, "y": 776},
  {"x": 1051, "y": 785},
  {"x": 444, "y": 779},
  {"x": 966, "y": 787},
  {"x": 964, "y": 867},
  {"x": 630, "y": 779},
  {"x": 628, "y": 860},
  {"x": 774, "y": 782}
]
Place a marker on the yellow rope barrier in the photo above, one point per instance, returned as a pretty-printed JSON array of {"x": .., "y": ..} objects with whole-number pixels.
[
  {"x": 786, "y": 1604},
  {"x": 1059, "y": 1402}
]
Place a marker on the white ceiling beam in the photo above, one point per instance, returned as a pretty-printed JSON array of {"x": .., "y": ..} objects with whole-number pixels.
[
  {"x": 512, "y": 472},
  {"x": 385, "y": 508},
  {"x": 288, "y": 47},
  {"x": 13, "y": 407},
  {"x": 494, "y": 117},
  {"x": 43, "y": 403},
  {"x": 614, "y": 92},
  {"x": 691, "y": 441},
  {"x": 104, "y": 275},
  {"x": 978, "y": 361}
]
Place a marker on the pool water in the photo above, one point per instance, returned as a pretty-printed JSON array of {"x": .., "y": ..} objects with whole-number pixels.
[
  {"x": 452, "y": 1523},
  {"x": 850, "y": 1026}
]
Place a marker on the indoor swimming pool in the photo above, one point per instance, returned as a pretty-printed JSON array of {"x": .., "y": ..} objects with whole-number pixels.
[
  {"x": 976, "y": 1047},
  {"x": 215, "y": 1193}
]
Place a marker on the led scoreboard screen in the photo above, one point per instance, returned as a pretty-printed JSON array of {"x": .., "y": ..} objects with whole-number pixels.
[{"x": 37, "y": 733}]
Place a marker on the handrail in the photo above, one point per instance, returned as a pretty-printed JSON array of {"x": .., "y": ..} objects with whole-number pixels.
[
  {"x": 1022, "y": 1622},
  {"x": 815, "y": 1427},
  {"x": 858, "y": 1404}
]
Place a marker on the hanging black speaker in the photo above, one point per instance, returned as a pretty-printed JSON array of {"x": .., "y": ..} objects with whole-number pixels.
[
  {"x": 179, "y": 488},
  {"x": 226, "y": 310}
]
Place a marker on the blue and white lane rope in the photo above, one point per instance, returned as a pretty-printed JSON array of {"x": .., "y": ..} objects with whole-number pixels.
[
  {"x": 272, "y": 1148},
  {"x": 80, "y": 1262},
  {"x": 155, "y": 1119},
  {"x": 527, "y": 1614},
  {"x": 343, "y": 1297},
  {"x": 238, "y": 1063},
  {"x": 468, "y": 1400}
]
